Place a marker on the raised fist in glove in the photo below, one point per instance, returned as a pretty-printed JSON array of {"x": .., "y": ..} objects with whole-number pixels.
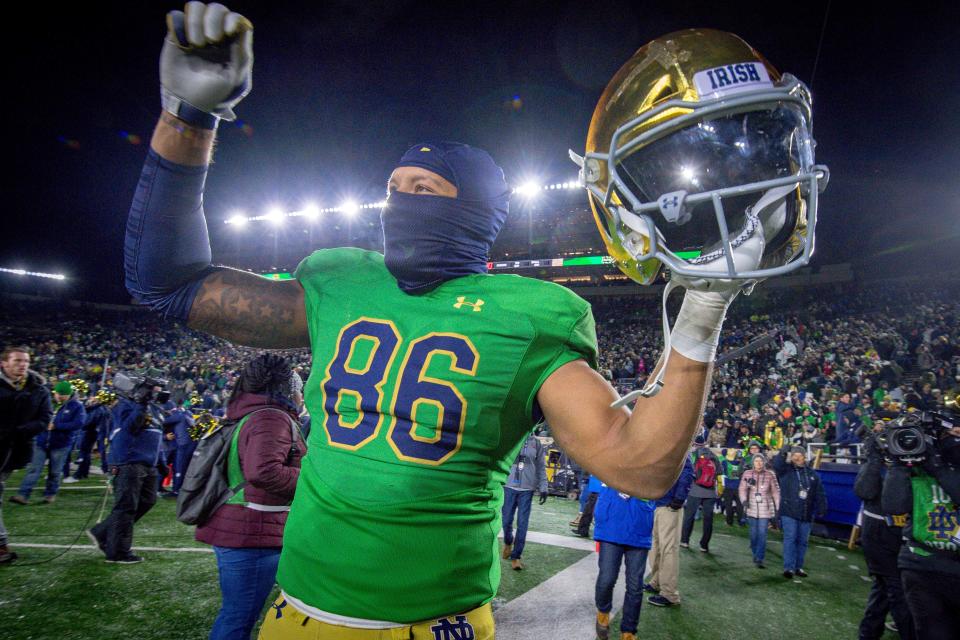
[{"x": 206, "y": 63}]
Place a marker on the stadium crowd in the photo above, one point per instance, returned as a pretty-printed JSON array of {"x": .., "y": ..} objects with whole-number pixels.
[
  {"x": 817, "y": 365},
  {"x": 71, "y": 344},
  {"x": 805, "y": 366}
]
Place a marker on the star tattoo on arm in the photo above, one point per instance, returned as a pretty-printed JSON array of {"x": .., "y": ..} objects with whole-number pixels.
[{"x": 247, "y": 309}]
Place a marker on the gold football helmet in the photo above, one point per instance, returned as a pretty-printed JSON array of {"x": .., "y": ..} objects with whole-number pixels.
[{"x": 696, "y": 144}]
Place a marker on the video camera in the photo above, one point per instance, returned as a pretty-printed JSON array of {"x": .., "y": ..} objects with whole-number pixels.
[
  {"x": 141, "y": 389},
  {"x": 912, "y": 437}
]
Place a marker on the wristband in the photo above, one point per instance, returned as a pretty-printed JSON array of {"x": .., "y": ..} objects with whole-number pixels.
[
  {"x": 187, "y": 112},
  {"x": 696, "y": 333}
]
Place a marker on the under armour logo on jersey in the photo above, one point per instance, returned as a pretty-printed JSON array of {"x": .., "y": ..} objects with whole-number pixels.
[
  {"x": 462, "y": 300},
  {"x": 278, "y": 607},
  {"x": 459, "y": 630}
]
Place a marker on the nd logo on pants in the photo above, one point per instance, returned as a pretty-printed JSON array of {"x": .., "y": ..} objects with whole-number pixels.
[{"x": 284, "y": 622}]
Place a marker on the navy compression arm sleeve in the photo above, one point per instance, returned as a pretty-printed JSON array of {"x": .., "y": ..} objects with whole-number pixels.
[{"x": 166, "y": 252}]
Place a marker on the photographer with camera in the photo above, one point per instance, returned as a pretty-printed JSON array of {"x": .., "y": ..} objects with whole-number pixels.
[
  {"x": 881, "y": 546},
  {"x": 527, "y": 475},
  {"x": 921, "y": 492},
  {"x": 134, "y": 449}
]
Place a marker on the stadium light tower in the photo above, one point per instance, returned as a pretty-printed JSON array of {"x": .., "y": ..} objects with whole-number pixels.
[
  {"x": 237, "y": 219},
  {"x": 529, "y": 189},
  {"x": 34, "y": 274},
  {"x": 311, "y": 212},
  {"x": 349, "y": 208},
  {"x": 276, "y": 215}
]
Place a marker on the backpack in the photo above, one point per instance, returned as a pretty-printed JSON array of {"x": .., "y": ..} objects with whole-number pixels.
[
  {"x": 206, "y": 486},
  {"x": 706, "y": 472}
]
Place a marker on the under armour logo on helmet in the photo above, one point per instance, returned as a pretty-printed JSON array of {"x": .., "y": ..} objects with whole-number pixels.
[{"x": 672, "y": 207}]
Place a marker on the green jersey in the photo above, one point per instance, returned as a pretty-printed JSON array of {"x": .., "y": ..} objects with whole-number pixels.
[
  {"x": 935, "y": 520},
  {"x": 418, "y": 404}
]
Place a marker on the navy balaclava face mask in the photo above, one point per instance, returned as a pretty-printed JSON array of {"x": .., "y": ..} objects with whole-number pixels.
[{"x": 428, "y": 239}]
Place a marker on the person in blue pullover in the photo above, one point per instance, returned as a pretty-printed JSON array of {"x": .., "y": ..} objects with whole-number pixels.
[
  {"x": 96, "y": 427},
  {"x": 134, "y": 450},
  {"x": 179, "y": 421},
  {"x": 664, "y": 579},
  {"x": 847, "y": 420},
  {"x": 53, "y": 444},
  {"x": 624, "y": 530}
]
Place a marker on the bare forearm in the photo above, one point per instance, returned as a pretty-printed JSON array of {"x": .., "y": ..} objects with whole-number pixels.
[
  {"x": 661, "y": 428},
  {"x": 176, "y": 141},
  {"x": 640, "y": 453}
]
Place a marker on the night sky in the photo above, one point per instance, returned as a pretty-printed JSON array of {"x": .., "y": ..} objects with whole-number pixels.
[{"x": 340, "y": 89}]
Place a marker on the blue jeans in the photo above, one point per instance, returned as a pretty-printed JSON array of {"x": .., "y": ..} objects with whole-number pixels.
[
  {"x": 795, "y": 535},
  {"x": 74, "y": 440},
  {"x": 635, "y": 560},
  {"x": 520, "y": 502},
  {"x": 246, "y": 578},
  {"x": 758, "y": 537},
  {"x": 54, "y": 475}
]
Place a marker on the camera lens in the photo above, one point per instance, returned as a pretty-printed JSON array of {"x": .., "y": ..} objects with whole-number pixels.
[{"x": 909, "y": 440}]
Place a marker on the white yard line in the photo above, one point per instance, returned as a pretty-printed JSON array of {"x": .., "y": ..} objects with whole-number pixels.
[
  {"x": 94, "y": 488},
  {"x": 550, "y": 539},
  {"x": 561, "y": 607},
  {"x": 90, "y": 547},
  {"x": 554, "y": 540}
]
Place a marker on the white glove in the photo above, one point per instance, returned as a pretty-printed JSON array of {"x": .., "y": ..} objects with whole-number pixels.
[
  {"x": 696, "y": 333},
  {"x": 206, "y": 63}
]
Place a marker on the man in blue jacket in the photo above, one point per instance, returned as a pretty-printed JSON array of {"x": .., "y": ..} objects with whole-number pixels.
[
  {"x": 53, "y": 444},
  {"x": 664, "y": 577},
  {"x": 801, "y": 497},
  {"x": 846, "y": 419},
  {"x": 624, "y": 529},
  {"x": 134, "y": 449},
  {"x": 95, "y": 429}
]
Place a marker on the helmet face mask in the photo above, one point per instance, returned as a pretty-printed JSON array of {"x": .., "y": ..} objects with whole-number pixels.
[{"x": 679, "y": 171}]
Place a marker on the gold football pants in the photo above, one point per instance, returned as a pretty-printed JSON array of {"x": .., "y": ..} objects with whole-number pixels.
[{"x": 283, "y": 622}]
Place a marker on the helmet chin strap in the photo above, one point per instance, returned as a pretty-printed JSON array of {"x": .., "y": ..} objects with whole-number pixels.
[
  {"x": 653, "y": 387},
  {"x": 747, "y": 248},
  {"x": 771, "y": 209}
]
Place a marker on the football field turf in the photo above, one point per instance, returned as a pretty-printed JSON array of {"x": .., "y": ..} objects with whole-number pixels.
[{"x": 51, "y": 592}]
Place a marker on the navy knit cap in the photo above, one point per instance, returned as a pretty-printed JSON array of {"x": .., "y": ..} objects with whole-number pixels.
[{"x": 471, "y": 170}]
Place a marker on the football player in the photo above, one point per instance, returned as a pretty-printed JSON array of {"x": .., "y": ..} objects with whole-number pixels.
[{"x": 428, "y": 373}]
